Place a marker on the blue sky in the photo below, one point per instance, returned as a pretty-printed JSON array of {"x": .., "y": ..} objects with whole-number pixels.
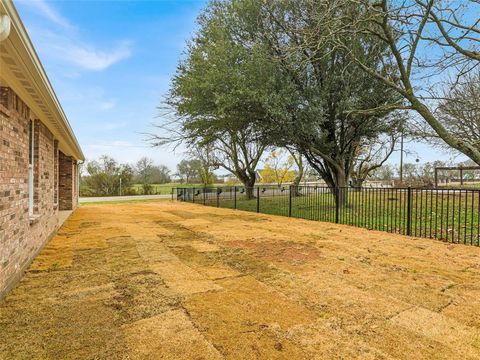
[{"x": 110, "y": 62}]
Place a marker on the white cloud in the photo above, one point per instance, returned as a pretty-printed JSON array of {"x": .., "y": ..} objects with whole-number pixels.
[
  {"x": 66, "y": 45},
  {"x": 111, "y": 144},
  {"x": 47, "y": 11},
  {"x": 113, "y": 126},
  {"x": 107, "y": 105},
  {"x": 93, "y": 59}
]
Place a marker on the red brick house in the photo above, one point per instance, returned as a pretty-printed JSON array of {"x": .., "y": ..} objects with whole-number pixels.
[{"x": 39, "y": 154}]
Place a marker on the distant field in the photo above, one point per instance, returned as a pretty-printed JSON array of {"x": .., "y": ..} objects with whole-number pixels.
[
  {"x": 163, "y": 189},
  {"x": 157, "y": 189},
  {"x": 160, "y": 189},
  {"x": 456, "y": 185}
]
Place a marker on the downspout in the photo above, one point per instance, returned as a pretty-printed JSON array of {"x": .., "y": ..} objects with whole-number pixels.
[
  {"x": 4, "y": 27},
  {"x": 78, "y": 180}
]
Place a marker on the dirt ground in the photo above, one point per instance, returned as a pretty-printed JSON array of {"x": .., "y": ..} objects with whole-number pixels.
[{"x": 181, "y": 281}]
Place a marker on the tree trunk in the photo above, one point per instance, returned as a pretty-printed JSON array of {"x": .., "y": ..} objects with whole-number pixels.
[
  {"x": 249, "y": 193},
  {"x": 337, "y": 184},
  {"x": 334, "y": 176},
  {"x": 341, "y": 188},
  {"x": 357, "y": 183},
  {"x": 249, "y": 183},
  {"x": 298, "y": 178},
  {"x": 249, "y": 188}
]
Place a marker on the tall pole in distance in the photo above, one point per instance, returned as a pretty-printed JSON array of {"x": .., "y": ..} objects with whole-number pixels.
[
  {"x": 401, "y": 158},
  {"x": 234, "y": 197},
  {"x": 409, "y": 211},
  {"x": 290, "y": 200},
  {"x": 258, "y": 199}
]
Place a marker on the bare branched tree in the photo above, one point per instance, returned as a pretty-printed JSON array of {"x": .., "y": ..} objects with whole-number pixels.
[
  {"x": 426, "y": 39},
  {"x": 459, "y": 111},
  {"x": 371, "y": 156},
  {"x": 205, "y": 155},
  {"x": 237, "y": 151}
]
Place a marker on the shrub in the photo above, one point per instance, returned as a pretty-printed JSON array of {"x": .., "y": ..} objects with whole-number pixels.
[
  {"x": 87, "y": 191},
  {"x": 130, "y": 191},
  {"x": 147, "y": 189}
]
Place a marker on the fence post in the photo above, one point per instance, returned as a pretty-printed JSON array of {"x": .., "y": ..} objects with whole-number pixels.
[
  {"x": 193, "y": 195},
  {"x": 337, "y": 205},
  {"x": 258, "y": 199},
  {"x": 409, "y": 211},
  {"x": 204, "y": 195},
  {"x": 234, "y": 197},
  {"x": 290, "y": 200},
  {"x": 218, "y": 197}
]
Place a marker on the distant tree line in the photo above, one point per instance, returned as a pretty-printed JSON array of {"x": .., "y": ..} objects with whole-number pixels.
[
  {"x": 195, "y": 171},
  {"x": 423, "y": 174},
  {"x": 107, "y": 177}
]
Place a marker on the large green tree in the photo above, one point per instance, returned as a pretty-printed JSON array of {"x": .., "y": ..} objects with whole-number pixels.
[
  {"x": 323, "y": 101},
  {"x": 218, "y": 92},
  {"x": 252, "y": 79}
]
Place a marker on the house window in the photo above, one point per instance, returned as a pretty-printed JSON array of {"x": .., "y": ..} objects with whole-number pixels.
[{"x": 31, "y": 158}]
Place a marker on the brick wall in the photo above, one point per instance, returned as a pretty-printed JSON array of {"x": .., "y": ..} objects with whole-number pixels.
[
  {"x": 44, "y": 173},
  {"x": 22, "y": 235},
  {"x": 66, "y": 180},
  {"x": 55, "y": 174}
]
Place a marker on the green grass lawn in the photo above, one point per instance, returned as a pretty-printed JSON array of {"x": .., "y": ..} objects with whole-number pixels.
[
  {"x": 157, "y": 189},
  {"x": 466, "y": 185},
  {"x": 164, "y": 189},
  {"x": 122, "y": 201},
  {"x": 450, "y": 216}
]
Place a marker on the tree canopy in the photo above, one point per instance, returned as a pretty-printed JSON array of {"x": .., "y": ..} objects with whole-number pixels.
[
  {"x": 249, "y": 82},
  {"x": 319, "y": 92},
  {"x": 325, "y": 79},
  {"x": 428, "y": 42}
]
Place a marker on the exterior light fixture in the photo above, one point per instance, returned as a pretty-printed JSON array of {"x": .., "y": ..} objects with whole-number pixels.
[{"x": 4, "y": 27}]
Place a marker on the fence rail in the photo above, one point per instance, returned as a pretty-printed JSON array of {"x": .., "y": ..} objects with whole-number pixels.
[{"x": 451, "y": 215}]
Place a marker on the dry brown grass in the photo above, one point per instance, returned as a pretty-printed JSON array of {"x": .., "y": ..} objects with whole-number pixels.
[{"x": 181, "y": 281}]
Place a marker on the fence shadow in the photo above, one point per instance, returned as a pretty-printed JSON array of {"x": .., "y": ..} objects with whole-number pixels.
[{"x": 451, "y": 215}]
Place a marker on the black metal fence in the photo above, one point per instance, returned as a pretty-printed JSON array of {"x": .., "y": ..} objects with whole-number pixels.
[{"x": 451, "y": 215}]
